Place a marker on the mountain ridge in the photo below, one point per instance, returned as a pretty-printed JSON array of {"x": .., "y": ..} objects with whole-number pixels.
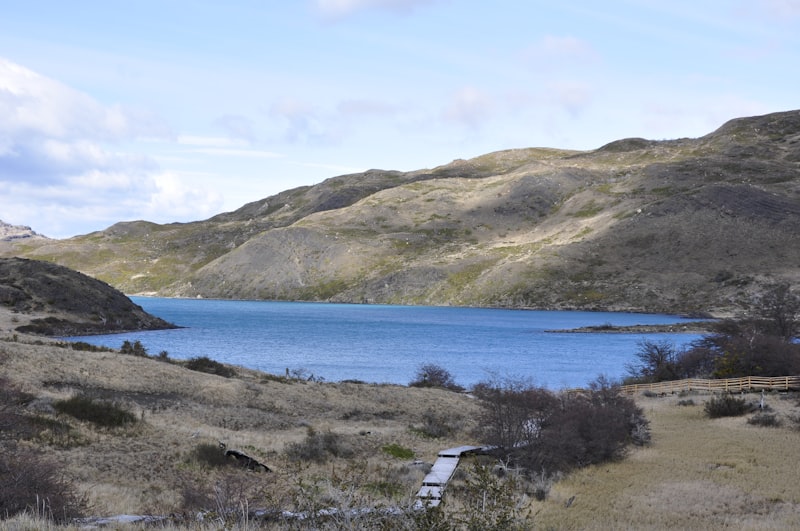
[{"x": 679, "y": 226}]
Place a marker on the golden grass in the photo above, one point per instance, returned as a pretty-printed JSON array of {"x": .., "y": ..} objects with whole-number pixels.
[
  {"x": 141, "y": 469},
  {"x": 697, "y": 474}
]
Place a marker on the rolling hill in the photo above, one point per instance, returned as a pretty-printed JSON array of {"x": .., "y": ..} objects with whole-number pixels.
[{"x": 681, "y": 226}]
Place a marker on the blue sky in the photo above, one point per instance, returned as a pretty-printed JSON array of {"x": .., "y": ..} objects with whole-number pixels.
[{"x": 176, "y": 110}]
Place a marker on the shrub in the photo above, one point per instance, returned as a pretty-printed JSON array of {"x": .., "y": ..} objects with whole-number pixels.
[
  {"x": 436, "y": 425},
  {"x": 551, "y": 433},
  {"x": 32, "y": 484},
  {"x": 318, "y": 447},
  {"x": 207, "y": 365},
  {"x": 207, "y": 454},
  {"x": 686, "y": 402},
  {"x": 727, "y": 406},
  {"x": 106, "y": 414},
  {"x": 134, "y": 349},
  {"x": 432, "y": 375},
  {"x": 400, "y": 452},
  {"x": 768, "y": 420}
]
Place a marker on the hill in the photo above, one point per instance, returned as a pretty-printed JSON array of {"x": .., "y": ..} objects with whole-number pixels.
[
  {"x": 44, "y": 298},
  {"x": 680, "y": 226}
]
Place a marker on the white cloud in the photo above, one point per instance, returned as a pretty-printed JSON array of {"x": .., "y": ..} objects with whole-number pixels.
[
  {"x": 571, "y": 96},
  {"x": 341, "y": 8},
  {"x": 61, "y": 157},
  {"x": 554, "y": 48},
  {"x": 782, "y": 8},
  {"x": 469, "y": 106},
  {"x": 237, "y": 127},
  {"x": 305, "y": 124}
]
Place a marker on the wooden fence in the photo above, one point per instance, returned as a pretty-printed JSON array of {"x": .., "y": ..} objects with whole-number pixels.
[{"x": 747, "y": 383}]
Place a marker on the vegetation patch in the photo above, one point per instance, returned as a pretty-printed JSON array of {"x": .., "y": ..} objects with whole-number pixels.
[
  {"x": 727, "y": 405},
  {"x": 398, "y": 451},
  {"x": 101, "y": 413},
  {"x": 319, "y": 447},
  {"x": 207, "y": 365}
]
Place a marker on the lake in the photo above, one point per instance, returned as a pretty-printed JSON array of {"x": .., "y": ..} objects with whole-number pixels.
[{"x": 386, "y": 344}]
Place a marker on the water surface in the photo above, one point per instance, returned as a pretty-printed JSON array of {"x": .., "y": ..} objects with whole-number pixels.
[{"x": 386, "y": 344}]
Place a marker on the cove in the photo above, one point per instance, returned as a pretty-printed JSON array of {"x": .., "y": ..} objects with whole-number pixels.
[{"x": 386, "y": 344}]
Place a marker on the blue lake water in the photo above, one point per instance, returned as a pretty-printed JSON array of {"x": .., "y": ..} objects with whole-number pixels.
[{"x": 386, "y": 344}]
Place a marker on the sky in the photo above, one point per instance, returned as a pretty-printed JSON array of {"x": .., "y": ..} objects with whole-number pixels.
[{"x": 177, "y": 110}]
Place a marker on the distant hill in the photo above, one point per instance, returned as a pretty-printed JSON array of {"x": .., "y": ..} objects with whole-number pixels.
[
  {"x": 10, "y": 232},
  {"x": 65, "y": 302},
  {"x": 686, "y": 226}
]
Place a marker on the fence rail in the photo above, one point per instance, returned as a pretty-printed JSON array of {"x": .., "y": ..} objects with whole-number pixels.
[{"x": 747, "y": 383}]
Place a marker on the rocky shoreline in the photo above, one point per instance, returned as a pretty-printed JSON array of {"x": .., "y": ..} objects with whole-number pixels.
[{"x": 697, "y": 327}]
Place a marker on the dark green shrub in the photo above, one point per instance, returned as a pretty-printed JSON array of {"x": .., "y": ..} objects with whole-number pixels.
[
  {"x": 767, "y": 420},
  {"x": 432, "y": 375},
  {"x": 88, "y": 347},
  {"x": 727, "y": 406},
  {"x": 106, "y": 414},
  {"x": 400, "y": 452},
  {"x": 134, "y": 349},
  {"x": 686, "y": 402},
  {"x": 207, "y": 365},
  {"x": 207, "y": 454}
]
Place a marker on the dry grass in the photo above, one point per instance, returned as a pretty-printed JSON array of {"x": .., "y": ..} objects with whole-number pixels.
[
  {"x": 141, "y": 468},
  {"x": 698, "y": 473}
]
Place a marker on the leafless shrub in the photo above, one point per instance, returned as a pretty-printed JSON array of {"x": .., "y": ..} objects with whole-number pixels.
[
  {"x": 319, "y": 447},
  {"x": 544, "y": 431},
  {"x": 34, "y": 484}
]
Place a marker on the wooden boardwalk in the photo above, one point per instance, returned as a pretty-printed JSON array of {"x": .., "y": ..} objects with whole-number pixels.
[{"x": 435, "y": 482}]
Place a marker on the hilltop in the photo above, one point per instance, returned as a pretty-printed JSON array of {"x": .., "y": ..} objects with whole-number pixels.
[
  {"x": 681, "y": 226},
  {"x": 43, "y": 298}
]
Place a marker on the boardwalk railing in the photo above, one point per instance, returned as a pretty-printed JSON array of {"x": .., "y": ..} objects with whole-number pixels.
[{"x": 746, "y": 383}]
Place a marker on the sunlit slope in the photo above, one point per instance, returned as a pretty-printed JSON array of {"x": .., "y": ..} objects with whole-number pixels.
[{"x": 680, "y": 226}]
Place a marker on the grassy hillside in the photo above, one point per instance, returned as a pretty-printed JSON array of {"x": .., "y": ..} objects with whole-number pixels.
[{"x": 687, "y": 226}]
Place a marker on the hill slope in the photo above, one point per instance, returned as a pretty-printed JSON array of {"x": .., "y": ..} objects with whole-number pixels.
[
  {"x": 684, "y": 225},
  {"x": 58, "y": 301}
]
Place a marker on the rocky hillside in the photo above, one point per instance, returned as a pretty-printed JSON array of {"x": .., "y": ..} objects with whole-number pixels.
[
  {"x": 687, "y": 225},
  {"x": 59, "y": 301},
  {"x": 10, "y": 232}
]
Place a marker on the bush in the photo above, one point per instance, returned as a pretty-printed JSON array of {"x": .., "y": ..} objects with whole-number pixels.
[
  {"x": 400, "y": 452},
  {"x": 435, "y": 425},
  {"x": 727, "y": 406},
  {"x": 686, "y": 402},
  {"x": 432, "y": 375},
  {"x": 106, "y": 414},
  {"x": 32, "y": 484},
  {"x": 318, "y": 447},
  {"x": 768, "y": 420},
  {"x": 210, "y": 455},
  {"x": 551, "y": 433},
  {"x": 207, "y": 365},
  {"x": 134, "y": 349}
]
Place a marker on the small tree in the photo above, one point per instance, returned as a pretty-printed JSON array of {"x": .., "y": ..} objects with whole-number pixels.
[
  {"x": 134, "y": 349},
  {"x": 779, "y": 311},
  {"x": 657, "y": 361},
  {"x": 432, "y": 375}
]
